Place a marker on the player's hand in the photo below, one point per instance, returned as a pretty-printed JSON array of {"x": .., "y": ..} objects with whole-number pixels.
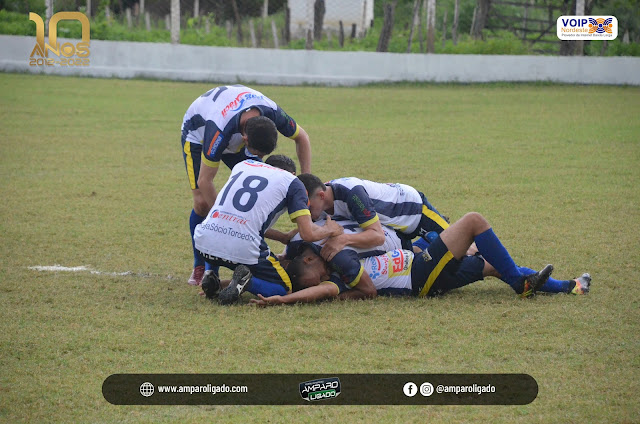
[
  {"x": 291, "y": 234},
  {"x": 266, "y": 301},
  {"x": 332, "y": 247},
  {"x": 335, "y": 228}
]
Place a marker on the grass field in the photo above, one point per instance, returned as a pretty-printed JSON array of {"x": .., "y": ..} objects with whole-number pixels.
[{"x": 92, "y": 175}]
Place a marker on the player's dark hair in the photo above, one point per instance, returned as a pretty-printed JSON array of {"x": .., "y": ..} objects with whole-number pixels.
[
  {"x": 296, "y": 268},
  {"x": 282, "y": 162},
  {"x": 311, "y": 183},
  {"x": 262, "y": 134}
]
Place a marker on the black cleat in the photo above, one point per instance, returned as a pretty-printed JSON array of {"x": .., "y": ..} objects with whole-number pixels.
[
  {"x": 231, "y": 294},
  {"x": 210, "y": 284},
  {"x": 532, "y": 283}
]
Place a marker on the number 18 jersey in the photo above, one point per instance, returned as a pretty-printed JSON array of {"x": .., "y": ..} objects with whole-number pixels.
[{"x": 251, "y": 201}]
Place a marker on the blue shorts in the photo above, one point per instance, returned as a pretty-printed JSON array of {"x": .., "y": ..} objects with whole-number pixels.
[
  {"x": 435, "y": 271},
  {"x": 192, "y": 152},
  {"x": 268, "y": 269},
  {"x": 431, "y": 219}
]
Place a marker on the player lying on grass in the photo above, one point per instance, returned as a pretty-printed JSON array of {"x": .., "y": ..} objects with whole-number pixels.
[
  {"x": 215, "y": 128},
  {"x": 472, "y": 270},
  {"x": 232, "y": 235},
  {"x": 343, "y": 260},
  {"x": 371, "y": 205},
  {"x": 442, "y": 267}
]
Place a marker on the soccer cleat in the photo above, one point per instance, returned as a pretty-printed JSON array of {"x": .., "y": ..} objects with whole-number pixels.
[
  {"x": 231, "y": 294},
  {"x": 196, "y": 276},
  {"x": 531, "y": 283},
  {"x": 581, "y": 285},
  {"x": 210, "y": 284}
]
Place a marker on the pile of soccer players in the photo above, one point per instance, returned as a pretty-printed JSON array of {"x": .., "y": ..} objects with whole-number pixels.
[{"x": 354, "y": 238}]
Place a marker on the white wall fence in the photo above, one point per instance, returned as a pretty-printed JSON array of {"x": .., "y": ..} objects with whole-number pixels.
[{"x": 119, "y": 59}]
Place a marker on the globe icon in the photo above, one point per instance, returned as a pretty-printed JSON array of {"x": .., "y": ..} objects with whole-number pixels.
[{"x": 146, "y": 389}]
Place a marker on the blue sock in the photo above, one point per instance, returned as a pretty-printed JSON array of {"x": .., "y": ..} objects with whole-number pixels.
[
  {"x": 495, "y": 253},
  {"x": 265, "y": 288},
  {"x": 208, "y": 266},
  {"x": 421, "y": 243},
  {"x": 552, "y": 285},
  {"x": 194, "y": 220}
]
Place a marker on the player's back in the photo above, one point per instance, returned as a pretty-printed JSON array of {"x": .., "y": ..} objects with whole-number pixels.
[
  {"x": 398, "y": 206},
  {"x": 221, "y": 104},
  {"x": 253, "y": 198},
  {"x": 391, "y": 270},
  {"x": 349, "y": 226}
]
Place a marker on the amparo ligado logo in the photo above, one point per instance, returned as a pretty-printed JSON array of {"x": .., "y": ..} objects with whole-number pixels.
[{"x": 320, "y": 389}]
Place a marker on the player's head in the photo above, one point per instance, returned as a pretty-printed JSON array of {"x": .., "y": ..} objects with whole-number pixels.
[
  {"x": 316, "y": 190},
  {"x": 282, "y": 162},
  {"x": 261, "y": 135},
  {"x": 307, "y": 269}
]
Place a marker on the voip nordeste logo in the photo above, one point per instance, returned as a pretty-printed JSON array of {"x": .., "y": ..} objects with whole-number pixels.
[{"x": 587, "y": 27}]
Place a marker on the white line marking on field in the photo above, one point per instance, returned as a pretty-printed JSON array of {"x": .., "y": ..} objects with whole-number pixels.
[{"x": 87, "y": 268}]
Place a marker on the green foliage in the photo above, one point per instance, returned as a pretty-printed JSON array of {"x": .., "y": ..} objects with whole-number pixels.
[{"x": 497, "y": 42}]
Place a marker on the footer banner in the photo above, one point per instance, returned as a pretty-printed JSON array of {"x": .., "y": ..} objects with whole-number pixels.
[{"x": 320, "y": 389}]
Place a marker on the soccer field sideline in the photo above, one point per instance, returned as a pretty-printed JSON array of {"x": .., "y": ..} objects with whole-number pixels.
[{"x": 96, "y": 181}]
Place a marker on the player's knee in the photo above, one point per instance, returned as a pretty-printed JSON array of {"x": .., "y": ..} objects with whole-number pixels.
[{"x": 476, "y": 221}]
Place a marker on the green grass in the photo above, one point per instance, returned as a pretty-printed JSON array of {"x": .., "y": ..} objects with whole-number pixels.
[{"x": 92, "y": 175}]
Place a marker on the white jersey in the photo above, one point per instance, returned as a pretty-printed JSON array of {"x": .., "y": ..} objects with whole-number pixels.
[
  {"x": 398, "y": 206},
  {"x": 213, "y": 119},
  {"x": 249, "y": 203},
  {"x": 391, "y": 239},
  {"x": 391, "y": 270}
]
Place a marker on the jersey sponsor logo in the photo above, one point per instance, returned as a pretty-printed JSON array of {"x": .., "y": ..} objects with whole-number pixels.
[
  {"x": 366, "y": 212},
  {"x": 400, "y": 263},
  {"x": 397, "y": 187},
  {"x": 227, "y": 231},
  {"x": 214, "y": 146},
  {"x": 228, "y": 216},
  {"x": 237, "y": 103}
]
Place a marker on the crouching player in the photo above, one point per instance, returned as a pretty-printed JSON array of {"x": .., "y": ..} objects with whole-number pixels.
[{"x": 232, "y": 235}]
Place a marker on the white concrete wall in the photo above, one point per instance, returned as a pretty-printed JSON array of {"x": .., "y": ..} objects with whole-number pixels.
[
  {"x": 359, "y": 12},
  {"x": 293, "y": 67}
]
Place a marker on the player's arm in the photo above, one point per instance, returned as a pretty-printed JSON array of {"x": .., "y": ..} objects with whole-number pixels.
[
  {"x": 311, "y": 232},
  {"x": 324, "y": 290},
  {"x": 276, "y": 235},
  {"x": 288, "y": 127},
  {"x": 363, "y": 290},
  {"x": 214, "y": 144},
  {"x": 303, "y": 150},
  {"x": 372, "y": 236},
  {"x": 205, "y": 183}
]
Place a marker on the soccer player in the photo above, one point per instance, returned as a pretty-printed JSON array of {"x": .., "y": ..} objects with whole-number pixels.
[
  {"x": 232, "y": 234},
  {"x": 215, "y": 128},
  {"x": 371, "y": 204},
  {"x": 391, "y": 240},
  {"x": 428, "y": 273}
]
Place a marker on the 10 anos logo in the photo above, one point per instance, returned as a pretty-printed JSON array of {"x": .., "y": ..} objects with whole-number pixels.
[{"x": 64, "y": 51}]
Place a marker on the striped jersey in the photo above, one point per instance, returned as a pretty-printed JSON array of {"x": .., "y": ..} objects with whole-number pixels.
[
  {"x": 398, "y": 206},
  {"x": 391, "y": 240},
  {"x": 389, "y": 272},
  {"x": 213, "y": 120},
  {"x": 250, "y": 202}
]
